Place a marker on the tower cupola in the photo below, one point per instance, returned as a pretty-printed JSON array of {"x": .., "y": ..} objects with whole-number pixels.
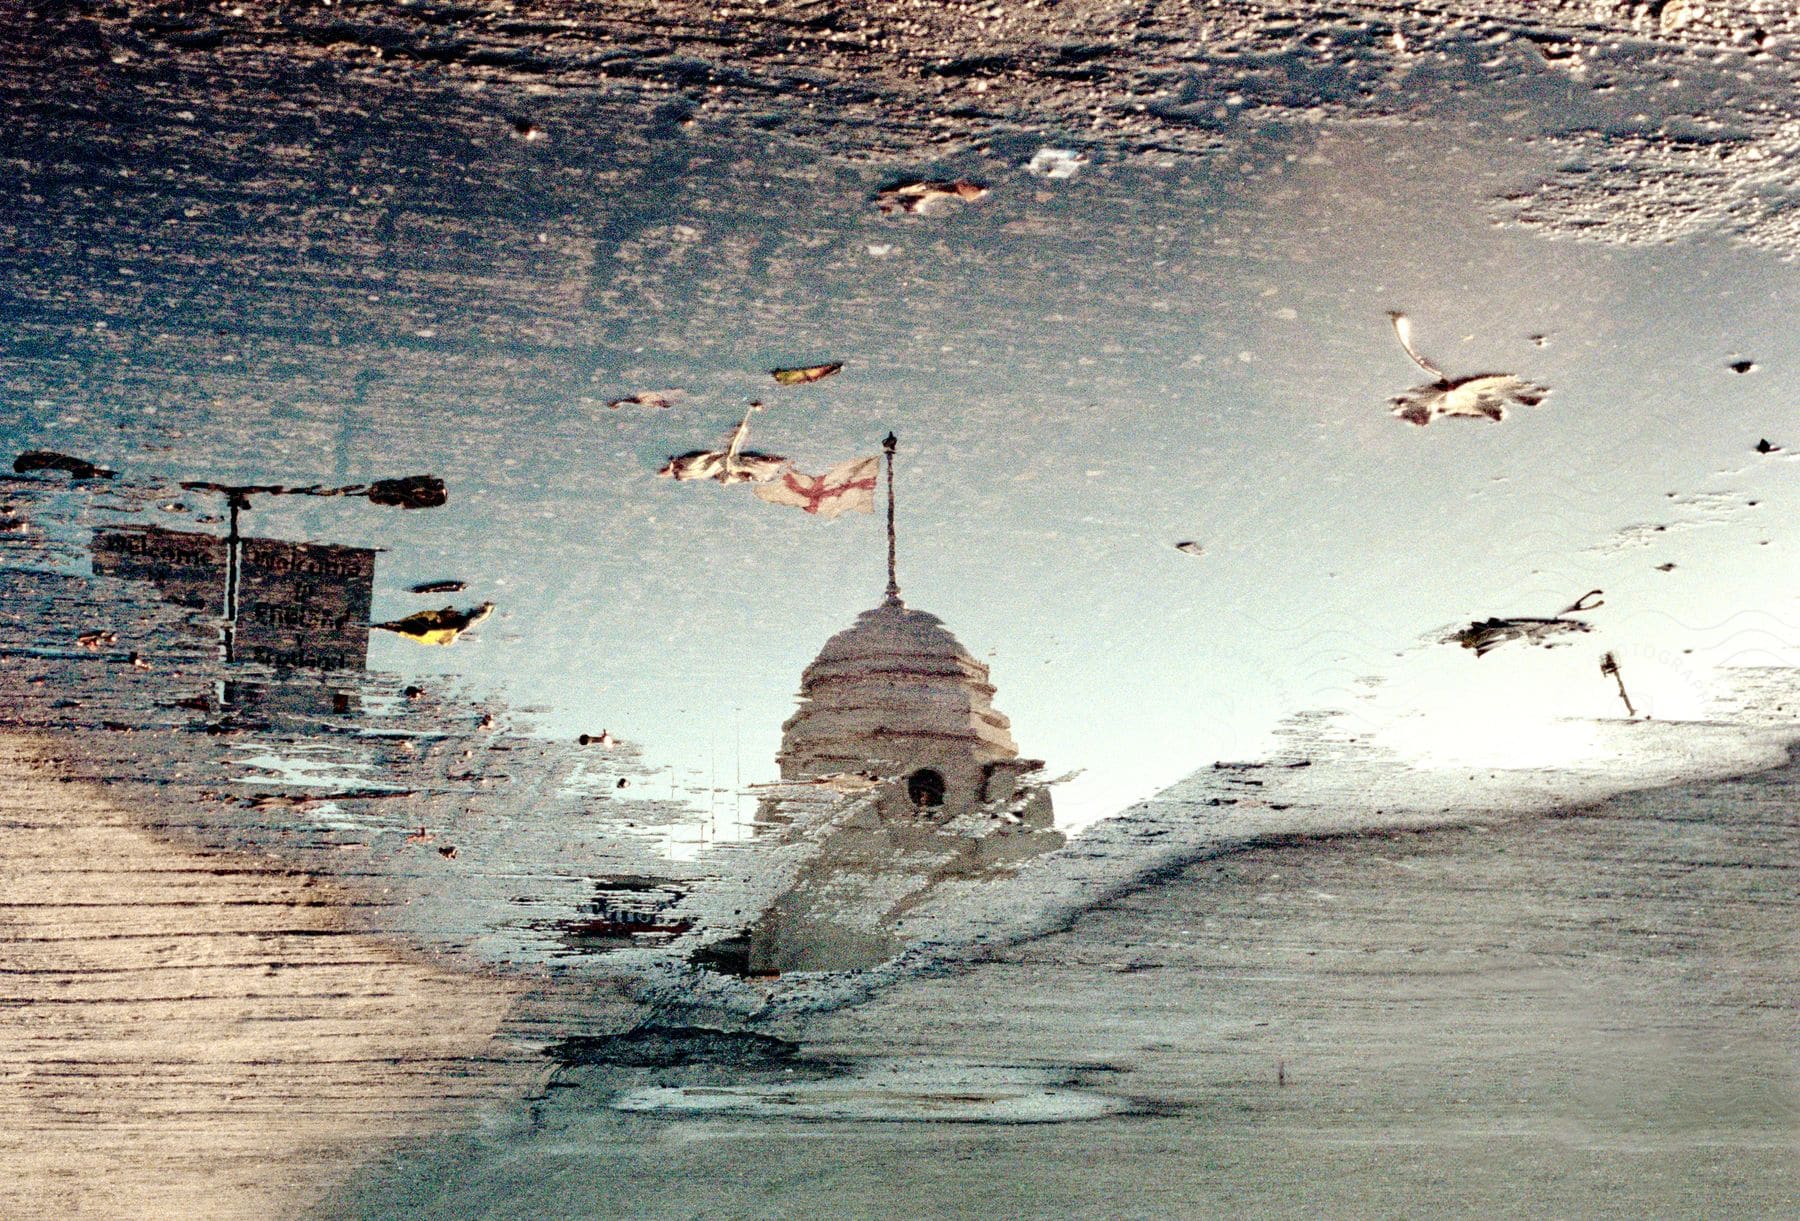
[{"x": 895, "y": 693}]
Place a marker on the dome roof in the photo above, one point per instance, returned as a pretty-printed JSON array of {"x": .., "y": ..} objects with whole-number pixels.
[
  {"x": 892, "y": 629},
  {"x": 894, "y": 687}
]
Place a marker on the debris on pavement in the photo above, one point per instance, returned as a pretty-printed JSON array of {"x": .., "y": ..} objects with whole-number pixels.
[
  {"x": 925, "y": 198},
  {"x": 50, "y": 460}
]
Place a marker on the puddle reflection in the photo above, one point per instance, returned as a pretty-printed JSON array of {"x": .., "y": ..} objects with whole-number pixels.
[
  {"x": 286, "y": 605},
  {"x": 292, "y": 607},
  {"x": 896, "y": 706},
  {"x": 625, "y": 911},
  {"x": 898, "y": 773},
  {"x": 1139, "y": 286}
]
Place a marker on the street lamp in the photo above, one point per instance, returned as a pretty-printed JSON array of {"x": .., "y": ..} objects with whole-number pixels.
[{"x": 409, "y": 492}]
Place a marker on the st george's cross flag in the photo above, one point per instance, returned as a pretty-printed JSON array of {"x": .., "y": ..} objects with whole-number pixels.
[{"x": 845, "y": 488}]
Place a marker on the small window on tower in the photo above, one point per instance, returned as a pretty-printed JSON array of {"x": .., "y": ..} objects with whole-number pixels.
[{"x": 926, "y": 787}]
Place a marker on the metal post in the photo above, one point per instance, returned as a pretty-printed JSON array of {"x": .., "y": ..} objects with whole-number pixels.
[
  {"x": 1610, "y": 665},
  {"x": 234, "y": 566},
  {"x": 893, "y": 585}
]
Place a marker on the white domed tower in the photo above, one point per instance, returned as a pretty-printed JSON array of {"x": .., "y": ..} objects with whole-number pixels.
[{"x": 896, "y": 694}]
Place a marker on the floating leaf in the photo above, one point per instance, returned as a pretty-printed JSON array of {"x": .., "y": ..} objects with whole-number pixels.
[
  {"x": 412, "y": 492},
  {"x": 660, "y": 399},
  {"x": 925, "y": 197},
  {"x": 438, "y": 627},
  {"x": 807, "y": 373},
  {"x": 49, "y": 460}
]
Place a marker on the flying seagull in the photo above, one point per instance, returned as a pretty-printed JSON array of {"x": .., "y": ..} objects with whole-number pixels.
[
  {"x": 1486, "y": 635},
  {"x": 1485, "y": 394},
  {"x": 733, "y": 464}
]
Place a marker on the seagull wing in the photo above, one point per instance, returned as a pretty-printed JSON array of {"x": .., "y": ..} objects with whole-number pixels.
[{"x": 1403, "y": 332}]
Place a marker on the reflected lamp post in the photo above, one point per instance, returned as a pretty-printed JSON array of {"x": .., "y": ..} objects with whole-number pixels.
[{"x": 408, "y": 492}]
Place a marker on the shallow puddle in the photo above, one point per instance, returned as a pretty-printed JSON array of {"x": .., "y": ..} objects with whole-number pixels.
[
  {"x": 909, "y": 1093},
  {"x": 846, "y": 568}
]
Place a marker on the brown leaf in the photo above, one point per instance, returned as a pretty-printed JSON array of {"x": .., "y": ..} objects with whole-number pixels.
[
  {"x": 412, "y": 492},
  {"x": 661, "y": 399},
  {"x": 50, "y": 460},
  {"x": 923, "y": 197}
]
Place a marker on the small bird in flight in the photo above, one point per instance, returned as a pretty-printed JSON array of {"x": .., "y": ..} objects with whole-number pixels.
[{"x": 1484, "y": 395}]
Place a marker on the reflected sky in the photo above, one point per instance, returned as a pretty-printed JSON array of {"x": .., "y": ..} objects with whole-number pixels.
[
  {"x": 1401, "y": 786},
  {"x": 1253, "y": 769},
  {"x": 1082, "y": 372}
]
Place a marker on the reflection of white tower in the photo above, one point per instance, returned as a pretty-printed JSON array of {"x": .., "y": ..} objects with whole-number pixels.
[{"x": 896, "y": 694}]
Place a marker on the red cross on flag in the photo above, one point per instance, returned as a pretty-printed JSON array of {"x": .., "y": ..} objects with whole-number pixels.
[{"x": 846, "y": 487}]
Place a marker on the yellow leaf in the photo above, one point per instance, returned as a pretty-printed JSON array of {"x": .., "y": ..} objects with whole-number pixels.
[
  {"x": 810, "y": 373},
  {"x": 438, "y": 627}
]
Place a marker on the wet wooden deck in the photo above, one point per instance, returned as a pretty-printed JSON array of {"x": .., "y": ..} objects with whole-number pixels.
[{"x": 197, "y": 1033}]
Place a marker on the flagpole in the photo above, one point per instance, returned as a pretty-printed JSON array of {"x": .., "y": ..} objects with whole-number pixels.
[{"x": 893, "y": 585}]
